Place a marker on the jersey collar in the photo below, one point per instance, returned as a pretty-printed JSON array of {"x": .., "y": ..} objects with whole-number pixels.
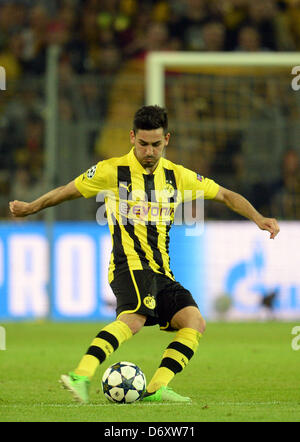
[{"x": 137, "y": 165}]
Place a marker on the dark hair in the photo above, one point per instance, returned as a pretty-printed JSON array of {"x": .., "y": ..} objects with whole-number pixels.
[{"x": 149, "y": 118}]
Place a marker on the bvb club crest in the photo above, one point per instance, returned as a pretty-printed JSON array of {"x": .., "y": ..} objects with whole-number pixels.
[
  {"x": 150, "y": 302},
  {"x": 169, "y": 189}
]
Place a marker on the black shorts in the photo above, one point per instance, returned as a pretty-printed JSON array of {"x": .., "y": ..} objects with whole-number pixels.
[{"x": 151, "y": 294}]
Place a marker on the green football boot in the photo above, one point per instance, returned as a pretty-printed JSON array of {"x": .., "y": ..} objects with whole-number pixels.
[
  {"x": 77, "y": 385},
  {"x": 164, "y": 394}
]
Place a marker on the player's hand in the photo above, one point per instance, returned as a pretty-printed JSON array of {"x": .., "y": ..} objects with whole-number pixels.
[
  {"x": 20, "y": 209},
  {"x": 269, "y": 224}
]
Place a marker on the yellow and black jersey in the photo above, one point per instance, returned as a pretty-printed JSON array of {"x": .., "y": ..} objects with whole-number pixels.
[{"x": 140, "y": 208}]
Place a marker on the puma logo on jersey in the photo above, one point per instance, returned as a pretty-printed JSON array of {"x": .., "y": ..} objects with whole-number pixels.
[{"x": 128, "y": 188}]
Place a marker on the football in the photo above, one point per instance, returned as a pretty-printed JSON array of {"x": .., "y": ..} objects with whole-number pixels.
[{"x": 123, "y": 382}]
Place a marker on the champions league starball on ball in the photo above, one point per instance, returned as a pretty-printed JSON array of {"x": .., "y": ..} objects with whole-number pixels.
[{"x": 123, "y": 382}]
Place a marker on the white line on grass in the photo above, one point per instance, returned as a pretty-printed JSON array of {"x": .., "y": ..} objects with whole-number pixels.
[
  {"x": 140, "y": 404},
  {"x": 87, "y": 405}
]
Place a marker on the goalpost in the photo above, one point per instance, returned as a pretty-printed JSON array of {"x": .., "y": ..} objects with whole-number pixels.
[
  {"x": 158, "y": 62},
  {"x": 228, "y": 103},
  {"x": 236, "y": 116}
]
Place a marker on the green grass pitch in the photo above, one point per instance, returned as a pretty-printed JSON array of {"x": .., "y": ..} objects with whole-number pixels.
[{"x": 241, "y": 372}]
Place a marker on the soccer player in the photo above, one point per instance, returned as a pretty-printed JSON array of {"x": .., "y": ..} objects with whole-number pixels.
[{"x": 142, "y": 190}]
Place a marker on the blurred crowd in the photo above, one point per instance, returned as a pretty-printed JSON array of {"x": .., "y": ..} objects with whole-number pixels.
[
  {"x": 109, "y": 39},
  {"x": 98, "y": 35}
]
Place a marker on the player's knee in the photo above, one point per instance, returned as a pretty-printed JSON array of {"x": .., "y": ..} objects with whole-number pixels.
[
  {"x": 198, "y": 323},
  {"x": 135, "y": 327},
  {"x": 134, "y": 321},
  {"x": 189, "y": 317},
  {"x": 201, "y": 325}
]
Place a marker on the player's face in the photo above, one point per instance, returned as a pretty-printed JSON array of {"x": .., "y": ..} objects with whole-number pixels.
[{"x": 149, "y": 146}]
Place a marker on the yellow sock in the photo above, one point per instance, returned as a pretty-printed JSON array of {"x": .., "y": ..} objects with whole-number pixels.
[
  {"x": 175, "y": 358},
  {"x": 105, "y": 343}
]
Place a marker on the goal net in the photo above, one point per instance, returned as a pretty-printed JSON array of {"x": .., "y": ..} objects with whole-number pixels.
[{"x": 232, "y": 115}]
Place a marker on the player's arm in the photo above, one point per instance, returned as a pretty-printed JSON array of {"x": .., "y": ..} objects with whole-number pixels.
[
  {"x": 52, "y": 198},
  {"x": 242, "y": 206}
]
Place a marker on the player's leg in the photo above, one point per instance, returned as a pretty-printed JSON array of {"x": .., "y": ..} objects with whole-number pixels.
[
  {"x": 105, "y": 343},
  {"x": 190, "y": 327},
  {"x": 129, "y": 290}
]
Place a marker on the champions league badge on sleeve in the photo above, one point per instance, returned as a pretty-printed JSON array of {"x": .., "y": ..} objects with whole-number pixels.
[{"x": 91, "y": 172}]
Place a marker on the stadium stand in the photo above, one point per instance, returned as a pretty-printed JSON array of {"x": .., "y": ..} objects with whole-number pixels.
[{"x": 101, "y": 83}]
